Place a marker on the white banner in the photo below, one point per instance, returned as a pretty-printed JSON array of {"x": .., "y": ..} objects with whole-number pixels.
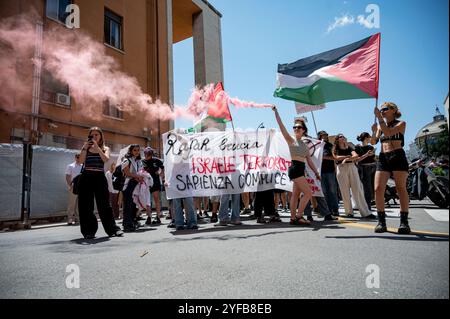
[
  {"x": 216, "y": 163},
  {"x": 305, "y": 108}
]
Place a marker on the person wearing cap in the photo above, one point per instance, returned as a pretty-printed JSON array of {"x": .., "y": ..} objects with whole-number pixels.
[
  {"x": 155, "y": 167},
  {"x": 390, "y": 132},
  {"x": 328, "y": 174}
]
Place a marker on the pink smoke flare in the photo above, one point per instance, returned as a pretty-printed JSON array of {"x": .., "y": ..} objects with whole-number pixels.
[{"x": 93, "y": 77}]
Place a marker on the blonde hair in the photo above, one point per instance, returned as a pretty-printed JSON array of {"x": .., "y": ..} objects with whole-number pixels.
[{"x": 393, "y": 106}]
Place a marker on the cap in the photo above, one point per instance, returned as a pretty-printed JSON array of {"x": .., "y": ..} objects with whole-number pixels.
[{"x": 149, "y": 150}]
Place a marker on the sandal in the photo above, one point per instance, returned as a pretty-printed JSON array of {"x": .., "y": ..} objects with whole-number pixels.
[{"x": 300, "y": 221}]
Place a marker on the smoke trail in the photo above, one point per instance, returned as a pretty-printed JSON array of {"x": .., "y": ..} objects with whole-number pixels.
[{"x": 93, "y": 77}]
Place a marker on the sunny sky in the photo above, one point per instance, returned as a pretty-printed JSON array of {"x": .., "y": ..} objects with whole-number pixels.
[{"x": 260, "y": 34}]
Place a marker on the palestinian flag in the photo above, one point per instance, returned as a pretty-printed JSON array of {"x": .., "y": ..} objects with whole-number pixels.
[
  {"x": 346, "y": 73},
  {"x": 218, "y": 111}
]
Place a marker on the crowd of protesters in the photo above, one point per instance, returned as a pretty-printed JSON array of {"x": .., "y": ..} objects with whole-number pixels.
[{"x": 348, "y": 172}]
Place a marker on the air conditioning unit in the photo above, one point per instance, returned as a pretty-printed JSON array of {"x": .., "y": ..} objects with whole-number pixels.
[{"x": 63, "y": 99}]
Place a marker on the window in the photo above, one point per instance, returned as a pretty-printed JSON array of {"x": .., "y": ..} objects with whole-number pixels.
[
  {"x": 59, "y": 139},
  {"x": 54, "y": 91},
  {"x": 56, "y": 9},
  {"x": 113, "y": 29},
  {"x": 112, "y": 110}
]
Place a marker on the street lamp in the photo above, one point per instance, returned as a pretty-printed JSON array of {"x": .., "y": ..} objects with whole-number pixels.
[{"x": 426, "y": 131}]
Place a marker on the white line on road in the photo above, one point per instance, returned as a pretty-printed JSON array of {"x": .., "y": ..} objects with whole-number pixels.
[{"x": 441, "y": 215}]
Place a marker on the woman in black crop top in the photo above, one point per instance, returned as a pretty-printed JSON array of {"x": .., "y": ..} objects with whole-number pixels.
[
  {"x": 367, "y": 166},
  {"x": 392, "y": 161},
  {"x": 348, "y": 178},
  {"x": 93, "y": 184}
]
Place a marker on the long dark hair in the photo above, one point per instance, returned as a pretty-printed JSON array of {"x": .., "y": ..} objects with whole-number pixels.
[
  {"x": 130, "y": 151},
  {"x": 101, "y": 144},
  {"x": 303, "y": 123},
  {"x": 361, "y": 137},
  {"x": 336, "y": 144}
]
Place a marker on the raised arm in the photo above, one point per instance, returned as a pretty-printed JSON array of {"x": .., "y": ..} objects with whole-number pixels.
[
  {"x": 289, "y": 139},
  {"x": 376, "y": 133},
  {"x": 389, "y": 131}
]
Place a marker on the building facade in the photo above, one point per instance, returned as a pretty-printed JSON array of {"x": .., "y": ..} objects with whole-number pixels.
[
  {"x": 139, "y": 35},
  {"x": 428, "y": 134}
]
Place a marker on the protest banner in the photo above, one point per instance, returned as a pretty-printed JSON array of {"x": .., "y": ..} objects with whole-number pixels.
[{"x": 217, "y": 163}]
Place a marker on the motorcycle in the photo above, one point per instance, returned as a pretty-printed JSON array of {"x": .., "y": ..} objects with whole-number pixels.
[{"x": 422, "y": 182}]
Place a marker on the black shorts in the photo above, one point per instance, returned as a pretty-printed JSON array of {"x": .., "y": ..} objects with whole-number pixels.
[
  {"x": 156, "y": 186},
  {"x": 296, "y": 170},
  {"x": 279, "y": 191},
  {"x": 395, "y": 161}
]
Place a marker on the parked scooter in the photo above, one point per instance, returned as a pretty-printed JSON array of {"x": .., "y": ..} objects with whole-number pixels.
[{"x": 421, "y": 183}]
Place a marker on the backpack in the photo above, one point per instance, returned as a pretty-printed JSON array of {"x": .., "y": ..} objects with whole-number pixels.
[
  {"x": 76, "y": 182},
  {"x": 118, "y": 178}
]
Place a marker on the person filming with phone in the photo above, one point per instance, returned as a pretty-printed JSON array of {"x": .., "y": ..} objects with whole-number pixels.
[{"x": 93, "y": 184}]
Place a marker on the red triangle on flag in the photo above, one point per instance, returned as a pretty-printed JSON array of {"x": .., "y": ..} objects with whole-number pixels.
[{"x": 218, "y": 107}]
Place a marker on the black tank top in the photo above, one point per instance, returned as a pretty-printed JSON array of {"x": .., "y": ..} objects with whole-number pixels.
[
  {"x": 343, "y": 152},
  {"x": 396, "y": 137},
  {"x": 94, "y": 162}
]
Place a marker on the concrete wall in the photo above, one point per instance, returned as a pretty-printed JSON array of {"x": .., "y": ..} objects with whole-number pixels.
[{"x": 207, "y": 45}]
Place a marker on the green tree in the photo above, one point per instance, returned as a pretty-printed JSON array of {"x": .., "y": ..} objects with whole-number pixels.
[{"x": 440, "y": 147}]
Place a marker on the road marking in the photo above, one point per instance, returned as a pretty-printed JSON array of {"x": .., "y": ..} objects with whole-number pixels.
[
  {"x": 391, "y": 212},
  {"x": 392, "y": 230},
  {"x": 441, "y": 215}
]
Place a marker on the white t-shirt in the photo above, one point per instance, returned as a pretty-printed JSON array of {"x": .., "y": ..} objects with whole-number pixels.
[
  {"x": 111, "y": 189},
  {"x": 135, "y": 167},
  {"x": 73, "y": 170}
]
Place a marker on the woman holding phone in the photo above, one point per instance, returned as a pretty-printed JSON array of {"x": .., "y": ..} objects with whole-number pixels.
[{"x": 93, "y": 185}]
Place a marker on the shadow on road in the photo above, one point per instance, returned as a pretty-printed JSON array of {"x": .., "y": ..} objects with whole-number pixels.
[
  {"x": 412, "y": 237},
  {"x": 312, "y": 227},
  {"x": 83, "y": 241}
]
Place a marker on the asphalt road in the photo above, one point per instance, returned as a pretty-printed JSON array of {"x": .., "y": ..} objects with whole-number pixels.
[{"x": 327, "y": 260}]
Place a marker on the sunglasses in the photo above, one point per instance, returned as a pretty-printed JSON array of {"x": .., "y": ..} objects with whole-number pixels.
[
  {"x": 298, "y": 127},
  {"x": 340, "y": 136},
  {"x": 384, "y": 109}
]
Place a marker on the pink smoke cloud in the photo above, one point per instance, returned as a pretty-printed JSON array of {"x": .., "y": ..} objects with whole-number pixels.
[{"x": 93, "y": 77}]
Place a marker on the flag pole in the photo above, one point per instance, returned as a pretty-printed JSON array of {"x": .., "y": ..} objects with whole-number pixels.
[
  {"x": 314, "y": 120},
  {"x": 378, "y": 76}
]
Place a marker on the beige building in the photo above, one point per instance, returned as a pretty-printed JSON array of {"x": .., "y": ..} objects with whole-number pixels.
[
  {"x": 427, "y": 135},
  {"x": 139, "y": 35}
]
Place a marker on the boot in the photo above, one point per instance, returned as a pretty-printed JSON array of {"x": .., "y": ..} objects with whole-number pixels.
[
  {"x": 404, "y": 228},
  {"x": 381, "y": 227}
]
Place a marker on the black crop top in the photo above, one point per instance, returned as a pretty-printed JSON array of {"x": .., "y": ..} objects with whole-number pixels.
[
  {"x": 396, "y": 137},
  {"x": 346, "y": 152}
]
